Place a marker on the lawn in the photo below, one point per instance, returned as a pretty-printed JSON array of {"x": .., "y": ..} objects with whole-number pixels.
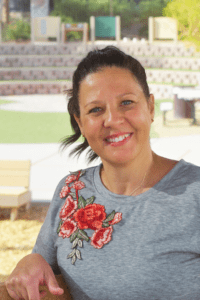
[{"x": 25, "y": 127}]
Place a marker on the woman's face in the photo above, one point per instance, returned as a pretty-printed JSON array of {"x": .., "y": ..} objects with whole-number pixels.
[{"x": 115, "y": 116}]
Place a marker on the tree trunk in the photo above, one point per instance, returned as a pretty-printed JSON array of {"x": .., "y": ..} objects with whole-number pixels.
[{"x": 6, "y": 5}]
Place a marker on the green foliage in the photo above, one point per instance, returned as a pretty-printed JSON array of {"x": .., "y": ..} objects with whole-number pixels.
[
  {"x": 129, "y": 11},
  {"x": 18, "y": 30},
  {"x": 187, "y": 13}
]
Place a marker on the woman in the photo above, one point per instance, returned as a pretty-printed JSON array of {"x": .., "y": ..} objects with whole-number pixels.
[{"x": 128, "y": 228}]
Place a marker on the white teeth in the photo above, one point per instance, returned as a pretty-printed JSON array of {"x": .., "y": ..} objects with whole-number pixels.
[{"x": 118, "y": 139}]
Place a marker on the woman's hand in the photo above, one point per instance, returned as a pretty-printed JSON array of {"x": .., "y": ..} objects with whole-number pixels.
[{"x": 31, "y": 272}]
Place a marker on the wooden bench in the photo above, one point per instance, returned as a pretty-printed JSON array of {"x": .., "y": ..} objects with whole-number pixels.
[
  {"x": 14, "y": 185},
  {"x": 66, "y": 296}
]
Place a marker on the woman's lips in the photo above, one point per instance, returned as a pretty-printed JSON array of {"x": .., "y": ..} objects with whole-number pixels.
[{"x": 118, "y": 139}]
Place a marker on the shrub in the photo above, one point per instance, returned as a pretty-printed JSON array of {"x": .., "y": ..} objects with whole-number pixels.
[{"x": 18, "y": 30}]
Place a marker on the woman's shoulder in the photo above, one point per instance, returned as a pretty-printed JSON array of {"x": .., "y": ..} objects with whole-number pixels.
[{"x": 183, "y": 174}]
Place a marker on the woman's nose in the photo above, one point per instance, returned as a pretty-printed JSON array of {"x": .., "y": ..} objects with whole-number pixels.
[{"x": 112, "y": 117}]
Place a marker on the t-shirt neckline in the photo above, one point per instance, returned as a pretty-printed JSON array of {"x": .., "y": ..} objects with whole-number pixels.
[{"x": 103, "y": 191}]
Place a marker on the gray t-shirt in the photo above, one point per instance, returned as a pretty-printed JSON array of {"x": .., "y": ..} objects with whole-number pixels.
[{"x": 154, "y": 252}]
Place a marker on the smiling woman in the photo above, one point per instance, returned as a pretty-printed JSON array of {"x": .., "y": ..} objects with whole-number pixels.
[{"x": 129, "y": 226}]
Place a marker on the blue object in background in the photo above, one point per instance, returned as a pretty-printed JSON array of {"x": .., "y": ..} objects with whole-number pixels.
[
  {"x": 105, "y": 27},
  {"x": 43, "y": 26}
]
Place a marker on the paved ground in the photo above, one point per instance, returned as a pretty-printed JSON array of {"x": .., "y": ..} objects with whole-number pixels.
[
  {"x": 35, "y": 103},
  {"x": 50, "y": 164}
]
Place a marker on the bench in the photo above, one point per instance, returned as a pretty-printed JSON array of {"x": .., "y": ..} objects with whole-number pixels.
[
  {"x": 14, "y": 185},
  {"x": 66, "y": 296}
]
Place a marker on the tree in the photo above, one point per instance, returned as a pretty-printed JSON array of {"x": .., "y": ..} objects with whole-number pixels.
[
  {"x": 131, "y": 11},
  {"x": 187, "y": 13}
]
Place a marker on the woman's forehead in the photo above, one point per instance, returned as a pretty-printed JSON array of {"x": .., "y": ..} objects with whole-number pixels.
[{"x": 109, "y": 77}]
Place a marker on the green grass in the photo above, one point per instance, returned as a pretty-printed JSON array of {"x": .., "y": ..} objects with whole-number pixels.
[
  {"x": 5, "y": 101},
  {"x": 25, "y": 127}
]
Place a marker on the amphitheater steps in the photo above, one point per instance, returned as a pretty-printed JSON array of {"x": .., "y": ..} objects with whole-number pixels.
[{"x": 32, "y": 69}]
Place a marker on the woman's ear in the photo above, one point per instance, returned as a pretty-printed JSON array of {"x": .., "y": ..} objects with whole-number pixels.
[
  {"x": 151, "y": 104},
  {"x": 78, "y": 121}
]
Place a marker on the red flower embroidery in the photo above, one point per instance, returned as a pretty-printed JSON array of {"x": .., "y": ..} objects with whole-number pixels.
[
  {"x": 78, "y": 185},
  {"x": 117, "y": 219},
  {"x": 101, "y": 237},
  {"x": 91, "y": 216},
  {"x": 70, "y": 179},
  {"x": 68, "y": 208},
  {"x": 67, "y": 228},
  {"x": 65, "y": 191},
  {"x": 78, "y": 214}
]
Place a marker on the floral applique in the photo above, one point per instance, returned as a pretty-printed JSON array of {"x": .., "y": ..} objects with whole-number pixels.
[{"x": 78, "y": 214}]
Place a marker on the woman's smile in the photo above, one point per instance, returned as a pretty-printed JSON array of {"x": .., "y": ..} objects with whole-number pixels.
[{"x": 119, "y": 139}]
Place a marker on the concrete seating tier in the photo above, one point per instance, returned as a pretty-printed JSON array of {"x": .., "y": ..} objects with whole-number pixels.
[
  {"x": 173, "y": 77},
  {"x": 29, "y": 49},
  {"x": 56, "y": 73},
  {"x": 16, "y": 61},
  {"x": 145, "y": 49},
  {"x": 24, "y": 88},
  {"x": 33, "y": 87},
  {"x": 37, "y": 69},
  {"x": 41, "y": 73},
  {"x": 177, "y": 50},
  {"x": 177, "y": 63}
]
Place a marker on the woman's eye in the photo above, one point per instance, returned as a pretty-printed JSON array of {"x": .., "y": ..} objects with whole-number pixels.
[
  {"x": 95, "y": 109},
  {"x": 126, "y": 102}
]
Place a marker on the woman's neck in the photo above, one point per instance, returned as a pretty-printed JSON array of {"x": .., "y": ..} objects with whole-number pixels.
[{"x": 127, "y": 179}]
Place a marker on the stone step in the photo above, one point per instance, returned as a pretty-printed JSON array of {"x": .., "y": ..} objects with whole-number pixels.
[
  {"x": 33, "y": 87},
  {"x": 160, "y": 91},
  {"x": 37, "y": 73},
  {"x": 66, "y": 73},
  {"x": 41, "y": 49},
  {"x": 16, "y": 61},
  {"x": 173, "y": 76},
  {"x": 146, "y": 49},
  {"x": 174, "y": 63}
]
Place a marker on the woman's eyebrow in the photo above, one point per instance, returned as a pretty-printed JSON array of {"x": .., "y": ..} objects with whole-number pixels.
[
  {"x": 99, "y": 101},
  {"x": 125, "y": 94},
  {"x": 92, "y": 102}
]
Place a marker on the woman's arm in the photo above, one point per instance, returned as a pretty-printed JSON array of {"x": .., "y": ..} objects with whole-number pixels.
[{"x": 30, "y": 273}]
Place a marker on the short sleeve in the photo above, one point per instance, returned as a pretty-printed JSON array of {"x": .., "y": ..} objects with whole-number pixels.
[{"x": 46, "y": 241}]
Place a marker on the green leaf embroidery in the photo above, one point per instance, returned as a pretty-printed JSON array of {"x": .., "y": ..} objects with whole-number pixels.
[
  {"x": 59, "y": 226},
  {"x": 82, "y": 172},
  {"x": 78, "y": 254},
  {"x": 73, "y": 259},
  {"x": 105, "y": 224},
  {"x": 74, "y": 173},
  {"x": 80, "y": 243},
  {"x": 73, "y": 195},
  {"x": 90, "y": 200},
  {"x": 81, "y": 202},
  {"x": 83, "y": 235},
  {"x": 110, "y": 217},
  {"x": 71, "y": 254},
  {"x": 73, "y": 236},
  {"x": 75, "y": 242}
]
